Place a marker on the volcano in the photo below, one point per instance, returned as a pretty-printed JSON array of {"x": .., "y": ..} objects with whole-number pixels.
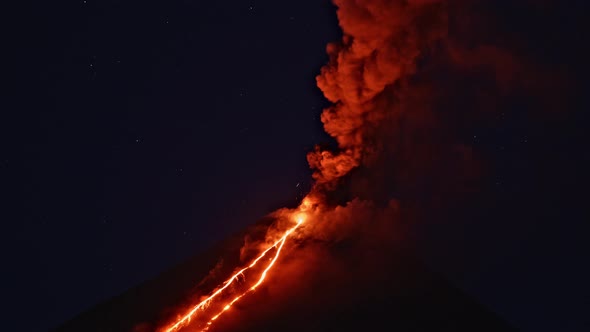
[{"x": 396, "y": 293}]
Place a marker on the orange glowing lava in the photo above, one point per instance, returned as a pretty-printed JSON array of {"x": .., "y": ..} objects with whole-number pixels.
[
  {"x": 253, "y": 288},
  {"x": 184, "y": 320}
]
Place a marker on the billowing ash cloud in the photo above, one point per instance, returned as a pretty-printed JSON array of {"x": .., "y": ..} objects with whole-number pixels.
[
  {"x": 382, "y": 42},
  {"x": 409, "y": 82}
]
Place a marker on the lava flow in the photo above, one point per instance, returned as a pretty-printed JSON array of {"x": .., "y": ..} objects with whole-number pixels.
[{"x": 184, "y": 320}]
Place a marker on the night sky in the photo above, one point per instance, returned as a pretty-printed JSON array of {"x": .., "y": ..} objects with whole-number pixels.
[{"x": 135, "y": 134}]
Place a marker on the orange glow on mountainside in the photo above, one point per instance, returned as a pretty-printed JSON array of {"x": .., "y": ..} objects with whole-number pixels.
[{"x": 299, "y": 217}]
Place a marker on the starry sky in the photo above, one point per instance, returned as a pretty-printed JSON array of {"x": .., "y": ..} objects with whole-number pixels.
[{"x": 138, "y": 133}]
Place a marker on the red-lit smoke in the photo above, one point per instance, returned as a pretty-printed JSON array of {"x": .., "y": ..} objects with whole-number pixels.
[{"x": 382, "y": 42}]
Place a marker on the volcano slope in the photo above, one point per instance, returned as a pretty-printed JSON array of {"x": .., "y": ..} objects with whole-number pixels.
[{"x": 343, "y": 285}]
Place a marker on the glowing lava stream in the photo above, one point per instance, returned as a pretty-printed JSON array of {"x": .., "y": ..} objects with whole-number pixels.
[
  {"x": 253, "y": 288},
  {"x": 186, "y": 318}
]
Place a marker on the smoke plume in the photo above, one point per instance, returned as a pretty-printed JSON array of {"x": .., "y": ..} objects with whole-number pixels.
[
  {"x": 381, "y": 45},
  {"x": 410, "y": 83}
]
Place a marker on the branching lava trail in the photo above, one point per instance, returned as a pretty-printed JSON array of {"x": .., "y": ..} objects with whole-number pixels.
[
  {"x": 253, "y": 288},
  {"x": 184, "y": 320}
]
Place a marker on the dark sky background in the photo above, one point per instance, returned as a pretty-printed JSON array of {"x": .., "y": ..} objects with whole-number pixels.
[{"x": 135, "y": 134}]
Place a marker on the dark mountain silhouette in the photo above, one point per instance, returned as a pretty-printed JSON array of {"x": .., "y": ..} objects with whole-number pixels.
[{"x": 397, "y": 293}]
